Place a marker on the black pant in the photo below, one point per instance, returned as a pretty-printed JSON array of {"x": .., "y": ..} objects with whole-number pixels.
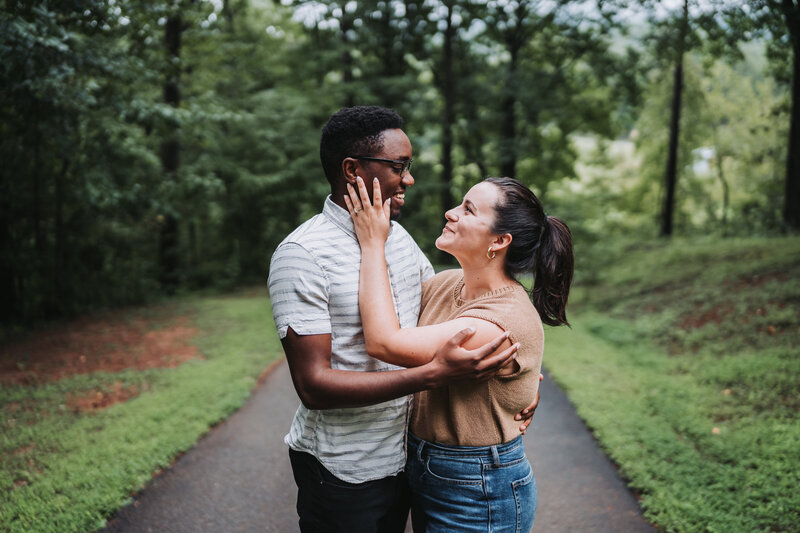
[{"x": 327, "y": 504}]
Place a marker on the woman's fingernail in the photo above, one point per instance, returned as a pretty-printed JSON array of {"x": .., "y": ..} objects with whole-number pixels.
[{"x": 525, "y": 411}]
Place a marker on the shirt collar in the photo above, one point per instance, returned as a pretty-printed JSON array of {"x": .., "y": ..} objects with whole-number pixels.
[{"x": 341, "y": 217}]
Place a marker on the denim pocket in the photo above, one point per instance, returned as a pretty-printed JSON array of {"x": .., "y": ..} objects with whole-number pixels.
[
  {"x": 525, "y": 499},
  {"x": 510, "y": 464},
  {"x": 454, "y": 471}
]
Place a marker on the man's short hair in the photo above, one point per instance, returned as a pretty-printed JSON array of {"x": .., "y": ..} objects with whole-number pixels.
[{"x": 354, "y": 131}]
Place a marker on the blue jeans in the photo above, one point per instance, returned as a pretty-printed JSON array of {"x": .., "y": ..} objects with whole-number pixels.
[{"x": 466, "y": 489}]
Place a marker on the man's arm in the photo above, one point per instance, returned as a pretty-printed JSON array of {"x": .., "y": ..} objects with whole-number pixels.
[{"x": 321, "y": 387}]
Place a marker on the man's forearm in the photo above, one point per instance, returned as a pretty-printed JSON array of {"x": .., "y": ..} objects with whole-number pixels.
[
  {"x": 321, "y": 387},
  {"x": 331, "y": 389}
]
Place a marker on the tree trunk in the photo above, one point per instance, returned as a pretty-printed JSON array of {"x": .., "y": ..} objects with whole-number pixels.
[
  {"x": 170, "y": 154},
  {"x": 448, "y": 94},
  {"x": 508, "y": 132},
  {"x": 508, "y": 135},
  {"x": 8, "y": 294},
  {"x": 726, "y": 191},
  {"x": 38, "y": 238},
  {"x": 346, "y": 24},
  {"x": 448, "y": 118},
  {"x": 671, "y": 177},
  {"x": 56, "y": 304},
  {"x": 227, "y": 13},
  {"x": 194, "y": 257},
  {"x": 791, "y": 207}
]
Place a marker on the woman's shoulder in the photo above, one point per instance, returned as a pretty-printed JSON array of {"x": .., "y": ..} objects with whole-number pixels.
[
  {"x": 445, "y": 277},
  {"x": 507, "y": 307},
  {"x": 440, "y": 284}
]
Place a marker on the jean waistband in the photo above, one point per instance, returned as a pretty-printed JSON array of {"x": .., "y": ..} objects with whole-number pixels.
[{"x": 484, "y": 452}]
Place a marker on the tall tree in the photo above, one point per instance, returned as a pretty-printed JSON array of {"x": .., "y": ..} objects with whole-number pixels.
[
  {"x": 513, "y": 24},
  {"x": 780, "y": 20},
  {"x": 670, "y": 37},
  {"x": 169, "y": 251},
  {"x": 447, "y": 84},
  {"x": 555, "y": 77},
  {"x": 671, "y": 174}
]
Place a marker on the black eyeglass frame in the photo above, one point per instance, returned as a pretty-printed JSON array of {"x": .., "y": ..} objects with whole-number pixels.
[{"x": 405, "y": 162}]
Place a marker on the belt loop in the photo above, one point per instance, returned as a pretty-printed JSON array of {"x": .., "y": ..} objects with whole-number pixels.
[
  {"x": 495, "y": 456},
  {"x": 419, "y": 450}
]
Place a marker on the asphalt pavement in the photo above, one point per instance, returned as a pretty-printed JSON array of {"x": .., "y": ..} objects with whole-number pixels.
[{"x": 237, "y": 478}]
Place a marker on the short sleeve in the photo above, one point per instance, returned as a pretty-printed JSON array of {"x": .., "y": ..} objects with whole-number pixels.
[
  {"x": 426, "y": 271},
  {"x": 298, "y": 291}
]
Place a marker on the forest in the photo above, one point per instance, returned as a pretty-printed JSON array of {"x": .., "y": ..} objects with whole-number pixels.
[{"x": 155, "y": 148}]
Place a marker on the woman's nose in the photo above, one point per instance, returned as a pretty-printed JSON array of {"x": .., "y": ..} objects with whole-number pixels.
[{"x": 451, "y": 215}]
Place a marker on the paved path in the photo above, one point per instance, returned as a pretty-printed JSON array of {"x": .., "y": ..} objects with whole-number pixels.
[{"x": 238, "y": 479}]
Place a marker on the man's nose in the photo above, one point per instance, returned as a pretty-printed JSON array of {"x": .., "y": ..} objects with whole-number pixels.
[{"x": 408, "y": 179}]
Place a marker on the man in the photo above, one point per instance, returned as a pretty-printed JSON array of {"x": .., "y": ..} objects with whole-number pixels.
[{"x": 347, "y": 439}]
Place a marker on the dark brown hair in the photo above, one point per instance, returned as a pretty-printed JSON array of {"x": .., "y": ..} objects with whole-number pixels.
[{"x": 540, "y": 244}]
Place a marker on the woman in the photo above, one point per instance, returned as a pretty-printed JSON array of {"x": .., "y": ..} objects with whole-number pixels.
[{"x": 466, "y": 462}]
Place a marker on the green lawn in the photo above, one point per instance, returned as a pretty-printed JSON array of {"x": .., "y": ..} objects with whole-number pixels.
[
  {"x": 684, "y": 359},
  {"x": 66, "y": 472}
]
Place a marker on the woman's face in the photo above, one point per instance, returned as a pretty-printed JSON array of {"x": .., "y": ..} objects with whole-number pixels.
[{"x": 467, "y": 234}]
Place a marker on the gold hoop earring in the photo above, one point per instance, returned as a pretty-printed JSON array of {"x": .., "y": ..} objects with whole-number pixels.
[{"x": 494, "y": 254}]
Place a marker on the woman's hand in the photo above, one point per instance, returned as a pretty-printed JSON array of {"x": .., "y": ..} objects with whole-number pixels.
[
  {"x": 527, "y": 414},
  {"x": 371, "y": 219}
]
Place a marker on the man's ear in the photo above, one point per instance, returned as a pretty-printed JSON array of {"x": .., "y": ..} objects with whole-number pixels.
[{"x": 350, "y": 169}]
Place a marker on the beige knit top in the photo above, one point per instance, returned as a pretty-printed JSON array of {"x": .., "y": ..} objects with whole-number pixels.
[{"x": 480, "y": 414}]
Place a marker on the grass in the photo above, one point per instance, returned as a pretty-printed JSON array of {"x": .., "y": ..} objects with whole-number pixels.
[
  {"x": 684, "y": 360},
  {"x": 64, "y": 471}
]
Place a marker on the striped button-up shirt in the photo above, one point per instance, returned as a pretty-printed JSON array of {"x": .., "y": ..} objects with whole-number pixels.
[{"x": 313, "y": 286}]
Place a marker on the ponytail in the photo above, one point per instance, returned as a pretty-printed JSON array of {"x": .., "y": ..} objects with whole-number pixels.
[
  {"x": 540, "y": 244},
  {"x": 552, "y": 272}
]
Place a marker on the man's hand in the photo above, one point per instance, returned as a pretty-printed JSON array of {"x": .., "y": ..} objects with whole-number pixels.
[
  {"x": 452, "y": 362},
  {"x": 526, "y": 415}
]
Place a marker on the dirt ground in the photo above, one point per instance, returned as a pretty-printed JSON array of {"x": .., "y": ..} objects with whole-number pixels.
[{"x": 110, "y": 342}]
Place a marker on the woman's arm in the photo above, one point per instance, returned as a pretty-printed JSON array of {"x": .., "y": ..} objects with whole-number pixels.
[{"x": 384, "y": 338}]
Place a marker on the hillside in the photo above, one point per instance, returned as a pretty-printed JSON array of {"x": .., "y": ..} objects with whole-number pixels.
[{"x": 684, "y": 360}]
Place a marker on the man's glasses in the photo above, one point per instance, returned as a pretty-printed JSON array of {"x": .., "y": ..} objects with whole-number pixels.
[{"x": 404, "y": 163}]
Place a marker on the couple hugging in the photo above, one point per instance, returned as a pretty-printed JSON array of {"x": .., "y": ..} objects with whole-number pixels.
[{"x": 366, "y": 324}]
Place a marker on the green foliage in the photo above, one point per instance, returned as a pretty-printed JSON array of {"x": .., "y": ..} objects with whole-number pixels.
[
  {"x": 730, "y": 162},
  {"x": 63, "y": 471},
  {"x": 725, "y": 154},
  {"x": 86, "y": 198},
  {"x": 683, "y": 361}
]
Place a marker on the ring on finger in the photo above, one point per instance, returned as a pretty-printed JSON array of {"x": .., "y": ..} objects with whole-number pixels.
[{"x": 356, "y": 209}]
